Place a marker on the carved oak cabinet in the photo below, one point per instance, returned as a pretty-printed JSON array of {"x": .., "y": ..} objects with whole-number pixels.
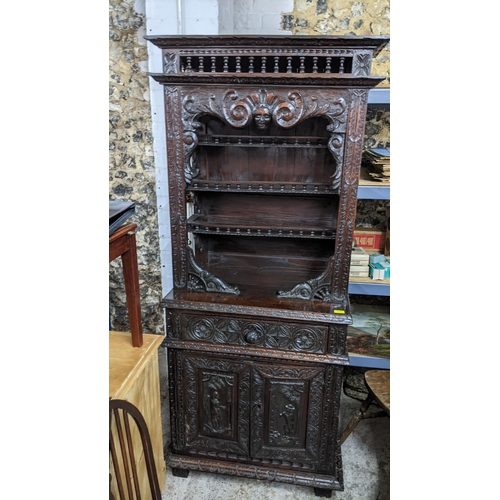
[{"x": 264, "y": 142}]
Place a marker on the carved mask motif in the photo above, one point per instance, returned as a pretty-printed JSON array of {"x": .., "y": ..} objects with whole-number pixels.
[{"x": 262, "y": 117}]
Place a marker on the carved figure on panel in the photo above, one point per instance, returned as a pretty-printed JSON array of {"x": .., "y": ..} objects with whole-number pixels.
[
  {"x": 289, "y": 415},
  {"x": 217, "y": 405}
]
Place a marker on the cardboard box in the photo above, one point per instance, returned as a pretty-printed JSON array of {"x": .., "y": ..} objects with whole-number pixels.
[
  {"x": 376, "y": 257},
  {"x": 370, "y": 239},
  {"x": 359, "y": 257},
  {"x": 359, "y": 271},
  {"x": 380, "y": 270}
]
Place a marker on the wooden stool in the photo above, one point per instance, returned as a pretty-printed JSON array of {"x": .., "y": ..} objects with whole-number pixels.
[
  {"x": 378, "y": 385},
  {"x": 122, "y": 243}
]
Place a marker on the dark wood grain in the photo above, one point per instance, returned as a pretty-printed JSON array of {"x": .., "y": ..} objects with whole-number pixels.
[{"x": 264, "y": 143}]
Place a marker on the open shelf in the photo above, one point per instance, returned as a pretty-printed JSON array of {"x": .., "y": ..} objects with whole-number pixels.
[
  {"x": 369, "y": 362},
  {"x": 368, "y": 286},
  {"x": 374, "y": 192},
  {"x": 253, "y": 141},
  {"x": 380, "y": 97},
  {"x": 260, "y": 187},
  {"x": 218, "y": 225},
  {"x": 369, "y": 189}
]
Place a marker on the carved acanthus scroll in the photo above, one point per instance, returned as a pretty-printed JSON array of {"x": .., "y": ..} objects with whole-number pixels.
[{"x": 335, "y": 146}]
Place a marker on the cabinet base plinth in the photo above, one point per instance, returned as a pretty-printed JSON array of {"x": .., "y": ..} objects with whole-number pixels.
[
  {"x": 180, "y": 472},
  {"x": 320, "y": 482},
  {"x": 321, "y": 492}
]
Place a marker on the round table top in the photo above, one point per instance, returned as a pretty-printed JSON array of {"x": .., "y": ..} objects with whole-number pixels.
[{"x": 378, "y": 382}]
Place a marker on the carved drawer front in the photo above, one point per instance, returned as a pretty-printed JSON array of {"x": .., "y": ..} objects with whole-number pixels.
[
  {"x": 214, "y": 404},
  {"x": 233, "y": 330},
  {"x": 287, "y": 412}
]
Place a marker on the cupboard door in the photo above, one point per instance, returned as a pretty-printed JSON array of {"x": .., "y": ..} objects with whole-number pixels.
[
  {"x": 213, "y": 404},
  {"x": 287, "y": 412}
]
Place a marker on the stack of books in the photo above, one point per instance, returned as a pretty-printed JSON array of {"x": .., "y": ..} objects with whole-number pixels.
[
  {"x": 377, "y": 162},
  {"x": 360, "y": 260}
]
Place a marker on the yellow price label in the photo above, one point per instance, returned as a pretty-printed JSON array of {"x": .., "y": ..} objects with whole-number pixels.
[{"x": 338, "y": 311}]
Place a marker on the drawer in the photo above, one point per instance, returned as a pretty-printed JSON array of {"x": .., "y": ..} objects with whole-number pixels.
[{"x": 243, "y": 331}]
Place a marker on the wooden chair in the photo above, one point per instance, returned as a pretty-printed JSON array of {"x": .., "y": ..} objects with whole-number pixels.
[
  {"x": 125, "y": 452},
  {"x": 378, "y": 385}
]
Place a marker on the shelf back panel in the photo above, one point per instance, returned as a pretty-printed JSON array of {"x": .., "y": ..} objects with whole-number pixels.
[
  {"x": 273, "y": 263},
  {"x": 277, "y": 211},
  {"x": 299, "y": 154}
]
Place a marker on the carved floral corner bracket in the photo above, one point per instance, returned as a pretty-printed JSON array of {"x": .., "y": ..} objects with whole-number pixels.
[
  {"x": 314, "y": 289},
  {"x": 202, "y": 281}
]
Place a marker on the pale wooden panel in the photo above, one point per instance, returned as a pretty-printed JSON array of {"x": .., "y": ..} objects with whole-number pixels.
[{"x": 134, "y": 377}]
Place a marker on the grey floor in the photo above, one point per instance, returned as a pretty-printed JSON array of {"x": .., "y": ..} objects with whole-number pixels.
[{"x": 365, "y": 456}]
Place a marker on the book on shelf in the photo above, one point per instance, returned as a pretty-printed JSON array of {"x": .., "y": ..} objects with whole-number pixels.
[
  {"x": 359, "y": 271},
  {"x": 379, "y": 154},
  {"x": 377, "y": 162},
  {"x": 119, "y": 212},
  {"x": 359, "y": 257}
]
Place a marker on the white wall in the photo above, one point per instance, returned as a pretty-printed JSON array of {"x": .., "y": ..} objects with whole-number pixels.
[
  {"x": 194, "y": 17},
  {"x": 260, "y": 17}
]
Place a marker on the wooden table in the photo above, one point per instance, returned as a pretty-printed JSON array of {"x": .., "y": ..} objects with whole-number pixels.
[
  {"x": 122, "y": 243},
  {"x": 379, "y": 386},
  {"x": 378, "y": 383},
  {"x": 134, "y": 377}
]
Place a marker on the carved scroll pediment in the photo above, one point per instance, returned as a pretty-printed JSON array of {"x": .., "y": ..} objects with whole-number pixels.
[
  {"x": 240, "y": 108},
  {"x": 261, "y": 107}
]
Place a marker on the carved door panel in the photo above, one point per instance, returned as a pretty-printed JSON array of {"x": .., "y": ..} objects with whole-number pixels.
[
  {"x": 214, "y": 405},
  {"x": 287, "y": 412}
]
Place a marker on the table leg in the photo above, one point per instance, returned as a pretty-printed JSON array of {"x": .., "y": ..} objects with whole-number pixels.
[
  {"x": 356, "y": 418},
  {"x": 131, "y": 276}
]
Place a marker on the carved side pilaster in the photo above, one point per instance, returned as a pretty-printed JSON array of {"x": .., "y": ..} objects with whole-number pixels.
[
  {"x": 172, "y": 372},
  {"x": 175, "y": 161},
  {"x": 338, "y": 339},
  {"x": 334, "y": 449},
  {"x": 348, "y": 193}
]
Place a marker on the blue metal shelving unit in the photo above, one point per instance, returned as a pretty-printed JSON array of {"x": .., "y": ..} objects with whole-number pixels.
[
  {"x": 379, "y": 98},
  {"x": 374, "y": 193},
  {"x": 375, "y": 288},
  {"x": 369, "y": 362}
]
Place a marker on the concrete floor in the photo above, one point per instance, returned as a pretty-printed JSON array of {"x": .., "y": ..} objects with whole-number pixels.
[{"x": 365, "y": 456}]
